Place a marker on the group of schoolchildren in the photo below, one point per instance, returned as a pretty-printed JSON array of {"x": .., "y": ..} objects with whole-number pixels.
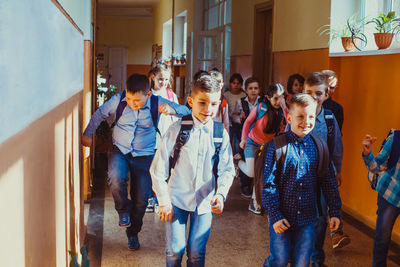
[{"x": 181, "y": 157}]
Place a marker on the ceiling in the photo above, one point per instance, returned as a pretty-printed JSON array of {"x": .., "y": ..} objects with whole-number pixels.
[{"x": 127, "y": 8}]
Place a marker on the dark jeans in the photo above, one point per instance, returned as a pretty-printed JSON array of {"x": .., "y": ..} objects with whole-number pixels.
[
  {"x": 119, "y": 166},
  {"x": 387, "y": 215},
  {"x": 295, "y": 244},
  {"x": 235, "y": 133},
  {"x": 318, "y": 254}
]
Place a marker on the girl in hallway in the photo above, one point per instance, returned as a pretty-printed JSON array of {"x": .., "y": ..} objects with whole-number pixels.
[
  {"x": 262, "y": 124},
  {"x": 295, "y": 85},
  {"x": 161, "y": 77}
]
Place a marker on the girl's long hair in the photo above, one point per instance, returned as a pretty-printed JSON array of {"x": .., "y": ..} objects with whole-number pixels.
[{"x": 274, "y": 116}]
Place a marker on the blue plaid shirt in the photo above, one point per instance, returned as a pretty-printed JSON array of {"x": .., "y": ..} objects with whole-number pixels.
[
  {"x": 290, "y": 192},
  {"x": 388, "y": 185}
]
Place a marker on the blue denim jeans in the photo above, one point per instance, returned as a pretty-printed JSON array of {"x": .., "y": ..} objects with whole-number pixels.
[
  {"x": 318, "y": 254},
  {"x": 200, "y": 226},
  {"x": 387, "y": 215},
  {"x": 119, "y": 166},
  {"x": 295, "y": 244}
]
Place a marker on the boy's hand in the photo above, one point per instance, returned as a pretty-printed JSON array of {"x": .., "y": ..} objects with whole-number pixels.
[
  {"x": 339, "y": 179},
  {"x": 281, "y": 226},
  {"x": 367, "y": 144},
  {"x": 217, "y": 204},
  {"x": 86, "y": 140},
  {"x": 334, "y": 224},
  {"x": 165, "y": 213},
  {"x": 242, "y": 115},
  {"x": 167, "y": 110},
  {"x": 243, "y": 144}
]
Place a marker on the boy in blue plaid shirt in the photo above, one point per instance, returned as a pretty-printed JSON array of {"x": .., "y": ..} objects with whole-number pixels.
[
  {"x": 388, "y": 188},
  {"x": 290, "y": 189}
]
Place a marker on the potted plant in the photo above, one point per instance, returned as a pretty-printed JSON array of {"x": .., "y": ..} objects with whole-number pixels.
[
  {"x": 351, "y": 33},
  {"x": 387, "y": 26}
]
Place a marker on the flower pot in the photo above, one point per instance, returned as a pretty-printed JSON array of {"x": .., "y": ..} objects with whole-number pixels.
[
  {"x": 348, "y": 44},
  {"x": 383, "y": 40}
]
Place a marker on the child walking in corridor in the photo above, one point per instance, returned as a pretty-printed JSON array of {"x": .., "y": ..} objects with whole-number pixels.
[
  {"x": 134, "y": 138},
  {"x": 183, "y": 179},
  {"x": 263, "y": 123},
  {"x": 291, "y": 181}
]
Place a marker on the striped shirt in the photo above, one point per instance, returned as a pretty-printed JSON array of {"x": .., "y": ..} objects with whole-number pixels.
[{"x": 388, "y": 185}]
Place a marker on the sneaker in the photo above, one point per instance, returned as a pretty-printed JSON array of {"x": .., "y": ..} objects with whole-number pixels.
[
  {"x": 246, "y": 192},
  {"x": 254, "y": 208},
  {"x": 150, "y": 205},
  {"x": 124, "y": 220},
  {"x": 156, "y": 208},
  {"x": 340, "y": 240},
  {"x": 133, "y": 242},
  {"x": 237, "y": 172}
]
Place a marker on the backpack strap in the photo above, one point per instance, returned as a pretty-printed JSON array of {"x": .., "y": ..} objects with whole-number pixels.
[
  {"x": 323, "y": 164},
  {"x": 181, "y": 140},
  {"x": 120, "y": 108},
  {"x": 280, "y": 143},
  {"x": 261, "y": 110},
  {"x": 330, "y": 125},
  {"x": 245, "y": 106},
  {"x": 217, "y": 139},
  {"x": 154, "y": 112},
  {"x": 170, "y": 95},
  {"x": 395, "y": 151}
]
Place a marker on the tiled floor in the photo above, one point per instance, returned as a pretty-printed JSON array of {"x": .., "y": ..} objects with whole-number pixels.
[{"x": 238, "y": 238}]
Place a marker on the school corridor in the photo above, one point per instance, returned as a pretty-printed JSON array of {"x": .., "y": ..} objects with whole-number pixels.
[{"x": 60, "y": 60}]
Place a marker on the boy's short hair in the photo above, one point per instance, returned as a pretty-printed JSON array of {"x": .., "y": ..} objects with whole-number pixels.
[
  {"x": 138, "y": 83},
  {"x": 216, "y": 74},
  {"x": 317, "y": 78},
  {"x": 236, "y": 76},
  {"x": 302, "y": 100},
  {"x": 329, "y": 74},
  {"x": 205, "y": 83},
  {"x": 198, "y": 74},
  {"x": 251, "y": 80}
]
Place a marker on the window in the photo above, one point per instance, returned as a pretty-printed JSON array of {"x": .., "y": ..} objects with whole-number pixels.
[
  {"x": 167, "y": 40},
  {"x": 364, "y": 10},
  {"x": 217, "y": 18}
]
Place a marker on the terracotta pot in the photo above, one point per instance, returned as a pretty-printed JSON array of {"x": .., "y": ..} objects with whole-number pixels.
[
  {"x": 348, "y": 44},
  {"x": 383, "y": 40}
]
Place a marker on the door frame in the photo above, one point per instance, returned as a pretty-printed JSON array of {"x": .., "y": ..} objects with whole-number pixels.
[{"x": 259, "y": 8}]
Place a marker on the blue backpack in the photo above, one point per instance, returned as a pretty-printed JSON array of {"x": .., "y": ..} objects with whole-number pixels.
[
  {"x": 153, "y": 110},
  {"x": 393, "y": 157},
  {"x": 261, "y": 110}
]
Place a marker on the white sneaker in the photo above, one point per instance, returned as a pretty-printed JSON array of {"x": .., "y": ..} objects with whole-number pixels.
[
  {"x": 254, "y": 207},
  {"x": 150, "y": 205}
]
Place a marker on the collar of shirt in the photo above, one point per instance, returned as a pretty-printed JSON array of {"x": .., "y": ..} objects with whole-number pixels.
[
  {"x": 320, "y": 117},
  {"x": 255, "y": 103},
  {"x": 147, "y": 105},
  {"x": 199, "y": 125},
  {"x": 293, "y": 138}
]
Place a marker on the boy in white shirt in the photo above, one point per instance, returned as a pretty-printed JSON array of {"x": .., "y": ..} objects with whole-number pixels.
[{"x": 188, "y": 190}]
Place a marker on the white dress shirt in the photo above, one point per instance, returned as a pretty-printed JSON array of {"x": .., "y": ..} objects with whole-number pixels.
[{"x": 192, "y": 182}]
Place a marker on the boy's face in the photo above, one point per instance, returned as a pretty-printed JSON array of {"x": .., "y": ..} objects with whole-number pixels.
[
  {"x": 301, "y": 119},
  {"x": 318, "y": 92},
  {"x": 235, "y": 85},
  {"x": 137, "y": 100},
  {"x": 253, "y": 90},
  {"x": 297, "y": 87},
  {"x": 204, "y": 105},
  {"x": 161, "y": 80}
]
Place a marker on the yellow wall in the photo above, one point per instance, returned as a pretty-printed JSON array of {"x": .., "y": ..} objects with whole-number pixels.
[
  {"x": 368, "y": 91},
  {"x": 134, "y": 33},
  {"x": 296, "y": 24},
  {"x": 163, "y": 13}
]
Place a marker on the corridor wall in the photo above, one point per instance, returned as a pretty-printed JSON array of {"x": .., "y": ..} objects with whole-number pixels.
[{"x": 42, "y": 70}]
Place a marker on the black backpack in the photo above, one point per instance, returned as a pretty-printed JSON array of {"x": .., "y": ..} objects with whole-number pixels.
[
  {"x": 245, "y": 106},
  {"x": 183, "y": 137},
  {"x": 280, "y": 143},
  {"x": 153, "y": 110}
]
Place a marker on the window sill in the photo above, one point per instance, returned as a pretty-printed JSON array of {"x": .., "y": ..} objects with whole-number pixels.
[{"x": 365, "y": 53}]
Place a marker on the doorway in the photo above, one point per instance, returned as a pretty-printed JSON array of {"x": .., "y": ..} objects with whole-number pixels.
[
  {"x": 262, "y": 55},
  {"x": 111, "y": 62}
]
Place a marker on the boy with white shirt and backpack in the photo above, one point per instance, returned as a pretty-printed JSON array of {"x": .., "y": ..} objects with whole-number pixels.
[{"x": 183, "y": 177}]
